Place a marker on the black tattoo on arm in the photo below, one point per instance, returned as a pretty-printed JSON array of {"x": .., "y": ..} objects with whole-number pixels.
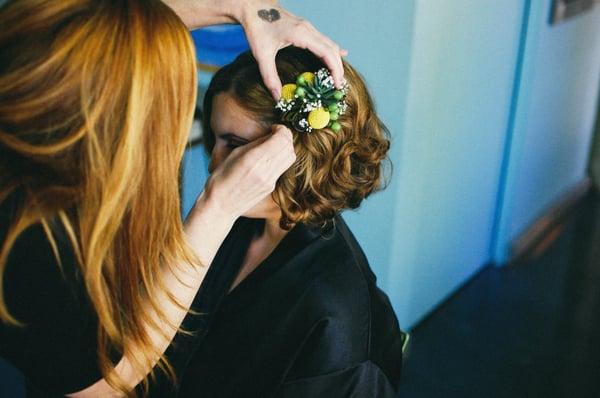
[{"x": 271, "y": 15}]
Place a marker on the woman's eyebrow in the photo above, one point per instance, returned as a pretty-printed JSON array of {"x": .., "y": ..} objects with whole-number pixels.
[{"x": 228, "y": 136}]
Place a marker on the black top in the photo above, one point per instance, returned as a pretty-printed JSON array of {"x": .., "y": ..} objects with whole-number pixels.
[
  {"x": 309, "y": 321},
  {"x": 311, "y": 311},
  {"x": 56, "y": 351}
]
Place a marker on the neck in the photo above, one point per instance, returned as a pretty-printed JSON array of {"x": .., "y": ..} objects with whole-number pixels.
[
  {"x": 273, "y": 232},
  {"x": 261, "y": 246}
]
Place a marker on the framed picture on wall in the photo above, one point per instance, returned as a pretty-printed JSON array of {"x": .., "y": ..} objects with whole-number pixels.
[{"x": 564, "y": 9}]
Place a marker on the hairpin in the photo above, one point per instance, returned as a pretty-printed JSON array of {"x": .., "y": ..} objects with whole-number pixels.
[{"x": 313, "y": 102}]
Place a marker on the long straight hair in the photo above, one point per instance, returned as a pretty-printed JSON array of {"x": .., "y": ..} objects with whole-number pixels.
[{"x": 96, "y": 101}]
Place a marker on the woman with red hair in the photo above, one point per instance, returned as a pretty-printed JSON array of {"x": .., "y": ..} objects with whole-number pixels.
[{"x": 99, "y": 276}]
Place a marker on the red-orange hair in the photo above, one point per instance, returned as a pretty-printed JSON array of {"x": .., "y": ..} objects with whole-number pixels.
[{"x": 96, "y": 101}]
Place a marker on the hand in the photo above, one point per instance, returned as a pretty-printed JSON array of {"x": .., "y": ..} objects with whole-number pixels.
[
  {"x": 249, "y": 173},
  {"x": 270, "y": 28}
]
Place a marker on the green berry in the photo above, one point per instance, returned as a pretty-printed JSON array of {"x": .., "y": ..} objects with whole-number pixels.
[
  {"x": 338, "y": 95},
  {"x": 333, "y": 107},
  {"x": 300, "y": 92},
  {"x": 334, "y": 116},
  {"x": 301, "y": 81},
  {"x": 335, "y": 126}
]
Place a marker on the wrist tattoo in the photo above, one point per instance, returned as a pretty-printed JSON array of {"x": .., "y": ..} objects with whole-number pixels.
[{"x": 271, "y": 15}]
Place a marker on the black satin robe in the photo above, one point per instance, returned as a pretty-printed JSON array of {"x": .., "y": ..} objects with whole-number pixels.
[{"x": 307, "y": 322}]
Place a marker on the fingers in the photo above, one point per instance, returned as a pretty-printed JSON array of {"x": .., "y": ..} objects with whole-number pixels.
[
  {"x": 324, "y": 48},
  {"x": 333, "y": 45},
  {"x": 284, "y": 131},
  {"x": 280, "y": 130},
  {"x": 266, "y": 38},
  {"x": 280, "y": 145},
  {"x": 288, "y": 153},
  {"x": 276, "y": 149},
  {"x": 268, "y": 71}
]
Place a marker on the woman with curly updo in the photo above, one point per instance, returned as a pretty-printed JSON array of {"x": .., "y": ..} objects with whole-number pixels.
[{"x": 300, "y": 314}]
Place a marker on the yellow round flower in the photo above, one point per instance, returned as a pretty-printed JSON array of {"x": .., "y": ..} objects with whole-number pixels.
[
  {"x": 287, "y": 91},
  {"x": 318, "y": 118},
  {"x": 309, "y": 77}
]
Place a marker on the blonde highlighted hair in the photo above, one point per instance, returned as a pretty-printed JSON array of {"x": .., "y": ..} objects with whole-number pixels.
[{"x": 96, "y": 101}]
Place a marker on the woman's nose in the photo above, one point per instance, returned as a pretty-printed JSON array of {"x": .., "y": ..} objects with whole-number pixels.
[{"x": 217, "y": 157}]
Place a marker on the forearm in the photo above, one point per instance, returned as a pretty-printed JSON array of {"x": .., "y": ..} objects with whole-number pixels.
[
  {"x": 198, "y": 13},
  {"x": 206, "y": 228}
]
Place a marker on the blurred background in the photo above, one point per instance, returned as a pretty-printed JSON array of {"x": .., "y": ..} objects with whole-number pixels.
[{"x": 487, "y": 240}]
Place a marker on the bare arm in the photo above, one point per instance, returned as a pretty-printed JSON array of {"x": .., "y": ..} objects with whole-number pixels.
[
  {"x": 247, "y": 176},
  {"x": 198, "y": 13}
]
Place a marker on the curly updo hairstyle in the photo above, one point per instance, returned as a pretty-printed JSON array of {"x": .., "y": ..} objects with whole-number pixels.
[{"x": 333, "y": 170}]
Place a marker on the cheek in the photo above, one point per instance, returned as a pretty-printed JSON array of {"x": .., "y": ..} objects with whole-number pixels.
[{"x": 217, "y": 156}]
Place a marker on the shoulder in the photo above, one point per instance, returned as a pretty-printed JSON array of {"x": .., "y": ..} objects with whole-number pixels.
[
  {"x": 343, "y": 276},
  {"x": 340, "y": 288},
  {"x": 339, "y": 306},
  {"x": 355, "y": 320}
]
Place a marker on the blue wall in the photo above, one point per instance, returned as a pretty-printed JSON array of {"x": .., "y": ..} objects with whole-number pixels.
[
  {"x": 553, "y": 122},
  {"x": 195, "y": 173}
]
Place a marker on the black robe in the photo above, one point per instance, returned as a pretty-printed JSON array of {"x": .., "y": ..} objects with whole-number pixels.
[
  {"x": 309, "y": 321},
  {"x": 56, "y": 351}
]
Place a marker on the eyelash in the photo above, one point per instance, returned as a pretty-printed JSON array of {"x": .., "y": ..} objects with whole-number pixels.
[{"x": 234, "y": 144}]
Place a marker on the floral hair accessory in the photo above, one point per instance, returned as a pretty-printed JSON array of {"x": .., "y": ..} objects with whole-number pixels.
[{"x": 312, "y": 102}]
